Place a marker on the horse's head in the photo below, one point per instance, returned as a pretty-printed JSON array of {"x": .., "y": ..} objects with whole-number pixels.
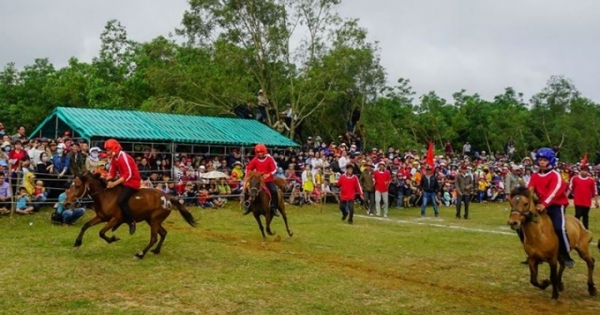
[
  {"x": 522, "y": 207},
  {"x": 83, "y": 185},
  {"x": 254, "y": 184}
]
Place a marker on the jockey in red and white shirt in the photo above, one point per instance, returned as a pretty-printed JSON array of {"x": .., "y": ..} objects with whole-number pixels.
[
  {"x": 265, "y": 164},
  {"x": 129, "y": 176}
]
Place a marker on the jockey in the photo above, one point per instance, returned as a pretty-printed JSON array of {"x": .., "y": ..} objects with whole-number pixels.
[
  {"x": 265, "y": 164},
  {"x": 129, "y": 176},
  {"x": 551, "y": 191}
]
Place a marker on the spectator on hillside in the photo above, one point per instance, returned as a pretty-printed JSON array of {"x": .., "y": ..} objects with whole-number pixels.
[{"x": 466, "y": 151}]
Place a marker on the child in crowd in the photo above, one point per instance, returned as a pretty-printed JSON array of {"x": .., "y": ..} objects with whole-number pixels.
[{"x": 23, "y": 202}]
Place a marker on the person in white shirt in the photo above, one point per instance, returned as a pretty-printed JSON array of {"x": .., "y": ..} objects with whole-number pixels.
[{"x": 343, "y": 161}]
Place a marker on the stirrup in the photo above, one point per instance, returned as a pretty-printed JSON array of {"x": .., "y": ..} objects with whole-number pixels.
[{"x": 275, "y": 211}]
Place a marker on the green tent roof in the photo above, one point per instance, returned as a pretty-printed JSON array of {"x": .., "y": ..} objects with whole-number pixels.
[{"x": 146, "y": 126}]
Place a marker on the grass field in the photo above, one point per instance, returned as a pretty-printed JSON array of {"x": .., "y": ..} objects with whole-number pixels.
[{"x": 399, "y": 265}]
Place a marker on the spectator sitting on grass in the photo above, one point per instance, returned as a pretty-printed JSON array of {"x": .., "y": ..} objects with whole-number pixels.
[
  {"x": 23, "y": 202},
  {"x": 69, "y": 216}
]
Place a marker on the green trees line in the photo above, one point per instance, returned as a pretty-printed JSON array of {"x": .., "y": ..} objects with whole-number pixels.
[{"x": 302, "y": 53}]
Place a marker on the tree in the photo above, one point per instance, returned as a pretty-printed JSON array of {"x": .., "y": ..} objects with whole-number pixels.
[{"x": 308, "y": 76}]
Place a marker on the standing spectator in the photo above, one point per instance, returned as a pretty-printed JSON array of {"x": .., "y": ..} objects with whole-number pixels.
[
  {"x": 354, "y": 118},
  {"x": 76, "y": 160},
  {"x": 263, "y": 103},
  {"x": 20, "y": 134},
  {"x": 448, "y": 149},
  {"x": 91, "y": 162},
  {"x": 308, "y": 182},
  {"x": 36, "y": 149},
  {"x": 349, "y": 187},
  {"x": 429, "y": 185},
  {"x": 399, "y": 185},
  {"x": 382, "y": 179},
  {"x": 61, "y": 161},
  {"x": 511, "y": 181},
  {"x": 464, "y": 189},
  {"x": 5, "y": 195},
  {"x": 584, "y": 190},
  {"x": 368, "y": 186},
  {"x": 466, "y": 151}
]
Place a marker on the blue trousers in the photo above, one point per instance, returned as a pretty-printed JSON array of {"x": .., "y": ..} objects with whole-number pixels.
[
  {"x": 429, "y": 196},
  {"x": 557, "y": 215}
]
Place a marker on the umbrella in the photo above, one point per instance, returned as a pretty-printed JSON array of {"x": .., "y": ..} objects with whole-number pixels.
[{"x": 214, "y": 175}]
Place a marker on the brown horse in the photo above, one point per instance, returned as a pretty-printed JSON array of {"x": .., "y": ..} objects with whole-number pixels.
[
  {"x": 541, "y": 242},
  {"x": 260, "y": 202},
  {"x": 150, "y": 205}
]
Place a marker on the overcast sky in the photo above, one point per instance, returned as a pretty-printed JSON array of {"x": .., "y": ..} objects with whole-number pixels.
[{"x": 482, "y": 46}]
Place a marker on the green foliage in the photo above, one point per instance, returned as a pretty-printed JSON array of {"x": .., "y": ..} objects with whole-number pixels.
[{"x": 301, "y": 53}]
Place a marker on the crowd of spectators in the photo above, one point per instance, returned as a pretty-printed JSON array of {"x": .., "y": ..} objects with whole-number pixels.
[{"x": 36, "y": 170}]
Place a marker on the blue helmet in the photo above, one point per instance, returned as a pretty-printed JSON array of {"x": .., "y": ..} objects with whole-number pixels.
[{"x": 546, "y": 153}]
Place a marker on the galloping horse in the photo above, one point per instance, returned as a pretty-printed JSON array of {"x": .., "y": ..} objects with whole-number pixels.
[
  {"x": 150, "y": 205},
  {"x": 541, "y": 242},
  {"x": 260, "y": 202}
]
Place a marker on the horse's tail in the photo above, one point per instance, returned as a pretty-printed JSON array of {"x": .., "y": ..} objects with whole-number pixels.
[
  {"x": 280, "y": 182},
  {"x": 185, "y": 213}
]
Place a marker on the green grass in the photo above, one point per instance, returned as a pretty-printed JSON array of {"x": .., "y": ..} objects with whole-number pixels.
[{"x": 399, "y": 265}]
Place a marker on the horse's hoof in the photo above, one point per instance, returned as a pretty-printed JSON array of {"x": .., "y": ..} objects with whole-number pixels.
[
  {"x": 139, "y": 256},
  {"x": 593, "y": 291},
  {"x": 290, "y": 233},
  {"x": 76, "y": 248},
  {"x": 116, "y": 239},
  {"x": 155, "y": 252}
]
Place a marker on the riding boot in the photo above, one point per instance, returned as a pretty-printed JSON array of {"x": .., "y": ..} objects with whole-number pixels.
[
  {"x": 274, "y": 207},
  {"x": 132, "y": 228},
  {"x": 564, "y": 254},
  {"x": 274, "y": 199}
]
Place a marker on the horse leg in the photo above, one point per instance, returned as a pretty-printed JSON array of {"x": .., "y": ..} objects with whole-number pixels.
[
  {"x": 269, "y": 219},
  {"x": 533, "y": 275},
  {"x": 95, "y": 220},
  {"x": 162, "y": 233},
  {"x": 154, "y": 227},
  {"x": 111, "y": 223},
  {"x": 584, "y": 253},
  {"x": 284, "y": 216},
  {"x": 561, "y": 268},
  {"x": 260, "y": 226},
  {"x": 554, "y": 278}
]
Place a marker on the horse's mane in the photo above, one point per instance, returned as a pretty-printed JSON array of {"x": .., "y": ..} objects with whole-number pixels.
[
  {"x": 94, "y": 176},
  {"x": 525, "y": 192}
]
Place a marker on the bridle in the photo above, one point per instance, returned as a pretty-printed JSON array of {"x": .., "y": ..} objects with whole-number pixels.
[{"x": 527, "y": 214}]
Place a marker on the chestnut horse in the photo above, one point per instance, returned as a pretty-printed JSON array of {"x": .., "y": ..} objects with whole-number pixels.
[
  {"x": 150, "y": 205},
  {"x": 259, "y": 200},
  {"x": 541, "y": 242}
]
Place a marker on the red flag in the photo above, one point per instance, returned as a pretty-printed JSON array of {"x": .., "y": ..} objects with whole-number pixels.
[
  {"x": 430, "y": 155},
  {"x": 584, "y": 162}
]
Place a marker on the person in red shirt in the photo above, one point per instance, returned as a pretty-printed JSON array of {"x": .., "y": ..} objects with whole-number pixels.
[
  {"x": 129, "y": 176},
  {"x": 382, "y": 179},
  {"x": 584, "y": 190},
  {"x": 349, "y": 187},
  {"x": 551, "y": 191},
  {"x": 264, "y": 163}
]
